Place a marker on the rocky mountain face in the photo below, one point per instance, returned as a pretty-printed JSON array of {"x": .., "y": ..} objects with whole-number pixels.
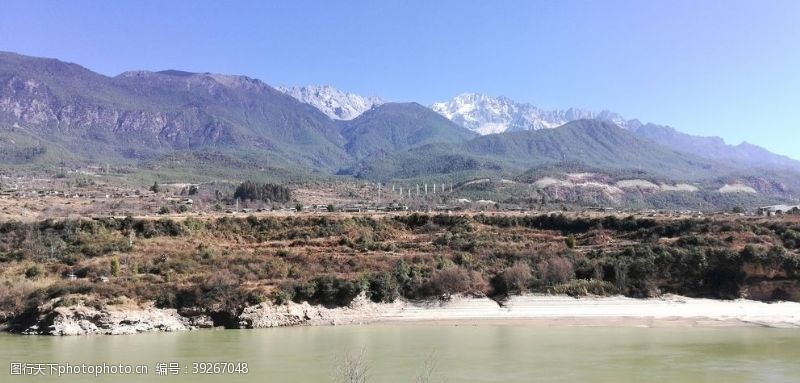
[
  {"x": 334, "y": 103},
  {"x": 489, "y": 115},
  {"x": 141, "y": 114}
]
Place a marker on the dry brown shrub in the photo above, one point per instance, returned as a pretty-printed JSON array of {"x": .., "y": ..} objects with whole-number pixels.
[
  {"x": 516, "y": 278},
  {"x": 555, "y": 270},
  {"x": 457, "y": 280}
]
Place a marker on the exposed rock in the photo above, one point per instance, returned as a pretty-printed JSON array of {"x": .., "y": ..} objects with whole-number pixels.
[
  {"x": 84, "y": 320},
  {"x": 773, "y": 290},
  {"x": 360, "y": 310},
  {"x": 109, "y": 320}
]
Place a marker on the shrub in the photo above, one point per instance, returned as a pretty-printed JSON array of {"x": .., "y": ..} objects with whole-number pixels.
[
  {"x": 285, "y": 293},
  {"x": 457, "y": 280},
  {"x": 328, "y": 290},
  {"x": 33, "y": 272},
  {"x": 276, "y": 268},
  {"x": 570, "y": 241},
  {"x": 515, "y": 279},
  {"x": 583, "y": 287},
  {"x": 383, "y": 288},
  {"x": 555, "y": 270}
]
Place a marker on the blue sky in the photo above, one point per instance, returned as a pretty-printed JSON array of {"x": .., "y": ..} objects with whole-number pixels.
[{"x": 728, "y": 68}]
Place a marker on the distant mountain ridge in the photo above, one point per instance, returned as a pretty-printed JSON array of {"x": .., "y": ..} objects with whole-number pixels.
[
  {"x": 715, "y": 147},
  {"x": 488, "y": 115},
  {"x": 594, "y": 143},
  {"x": 393, "y": 127},
  {"x": 334, "y": 103},
  {"x": 57, "y": 115}
]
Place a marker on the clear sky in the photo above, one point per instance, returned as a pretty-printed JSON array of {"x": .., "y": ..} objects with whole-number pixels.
[{"x": 714, "y": 67}]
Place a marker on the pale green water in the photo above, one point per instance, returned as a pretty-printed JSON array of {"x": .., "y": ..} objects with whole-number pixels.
[{"x": 484, "y": 353}]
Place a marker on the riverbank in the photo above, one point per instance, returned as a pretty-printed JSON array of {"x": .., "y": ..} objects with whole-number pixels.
[
  {"x": 670, "y": 310},
  {"x": 535, "y": 310}
]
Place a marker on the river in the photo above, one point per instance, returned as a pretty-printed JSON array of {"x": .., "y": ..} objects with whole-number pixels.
[{"x": 463, "y": 353}]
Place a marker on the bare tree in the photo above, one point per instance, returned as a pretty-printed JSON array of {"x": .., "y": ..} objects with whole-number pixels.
[
  {"x": 353, "y": 368},
  {"x": 428, "y": 368}
]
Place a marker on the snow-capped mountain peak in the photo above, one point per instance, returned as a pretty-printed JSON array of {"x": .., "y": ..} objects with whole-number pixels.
[
  {"x": 487, "y": 115},
  {"x": 331, "y": 101}
]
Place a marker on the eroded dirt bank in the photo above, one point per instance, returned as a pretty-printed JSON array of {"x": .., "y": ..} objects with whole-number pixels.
[{"x": 530, "y": 309}]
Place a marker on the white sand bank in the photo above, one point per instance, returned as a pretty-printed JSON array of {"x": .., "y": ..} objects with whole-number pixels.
[{"x": 555, "y": 310}]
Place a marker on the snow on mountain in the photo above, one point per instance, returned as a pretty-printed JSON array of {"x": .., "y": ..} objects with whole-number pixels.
[
  {"x": 487, "y": 115},
  {"x": 331, "y": 101}
]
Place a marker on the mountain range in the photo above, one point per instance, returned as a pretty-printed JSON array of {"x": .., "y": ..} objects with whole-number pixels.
[
  {"x": 210, "y": 126},
  {"x": 334, "y": 103},
  {"x": 488, "y": 115},
  {"x": 484, "y": 115}
]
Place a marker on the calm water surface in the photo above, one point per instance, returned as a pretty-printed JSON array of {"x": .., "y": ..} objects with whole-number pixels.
[{"x": 396, "y": 353}]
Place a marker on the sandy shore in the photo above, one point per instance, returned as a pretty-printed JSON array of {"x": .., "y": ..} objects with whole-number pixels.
[
  {"x": 608, "y": 311},
  {"x": 535, "y": 310}
]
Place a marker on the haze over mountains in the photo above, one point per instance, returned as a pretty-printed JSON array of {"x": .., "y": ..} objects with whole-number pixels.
[{"x": 212, "y": 125}]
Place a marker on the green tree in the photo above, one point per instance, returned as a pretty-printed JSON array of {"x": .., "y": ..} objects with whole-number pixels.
[
  {"x": 249, "y": 190},
  {"x": 115, "y": 267},
  {"x": 331, "y": 208},
  {"x": 570, "y": 241},
  {"x": 156, "y": 188}
]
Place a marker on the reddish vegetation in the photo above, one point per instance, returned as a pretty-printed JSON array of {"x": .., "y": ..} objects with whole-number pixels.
[{"x": 220, "y": 265}]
